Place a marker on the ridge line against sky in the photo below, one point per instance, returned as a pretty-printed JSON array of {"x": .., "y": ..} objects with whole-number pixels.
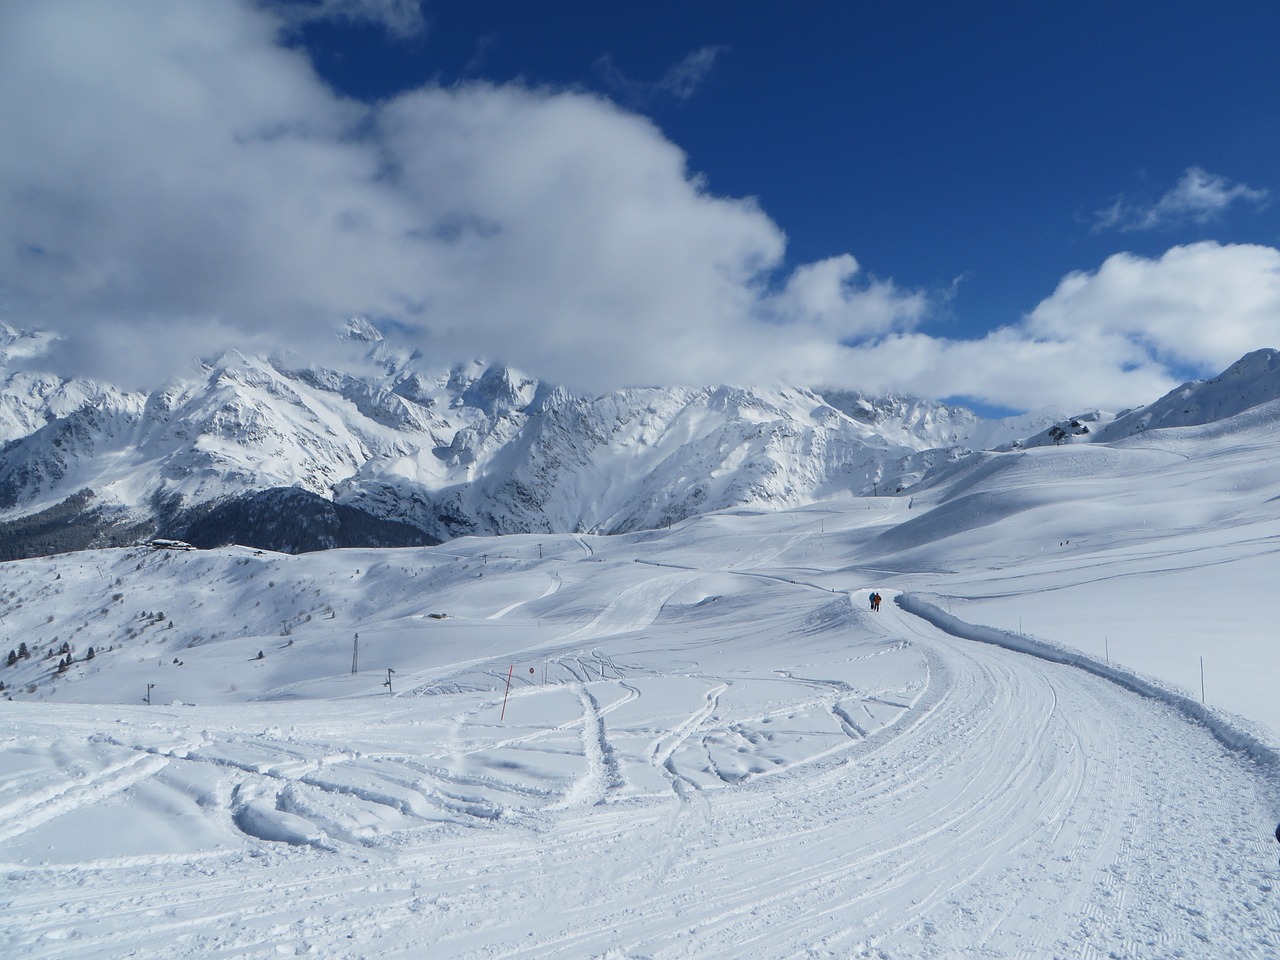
[{"x": 1004, "y": 206}]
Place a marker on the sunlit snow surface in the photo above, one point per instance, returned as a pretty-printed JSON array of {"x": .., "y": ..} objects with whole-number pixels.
[{"x": 711, "y": 746}]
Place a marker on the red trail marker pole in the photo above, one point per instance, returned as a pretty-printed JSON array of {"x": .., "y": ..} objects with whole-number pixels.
[{"x": 510, "y": 670}]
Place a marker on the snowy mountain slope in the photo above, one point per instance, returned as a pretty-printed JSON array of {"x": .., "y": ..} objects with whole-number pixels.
[
  {"x": 66, "y": 453},
  {"x": 1222, "y": 427},
  {"x": 1187, "y": 503},
  {"x": 1137, "y": 484},
  {"x": 401, "y": 453},
  {"x": 941, "y": 426},
  {"x": 30, "y": 401},
  {"x": 634, "y": 459},
  {"x": 1159, "y": 555},
  {"x": 1251, "y": 381},
  {"x": 474, "y": 448},
  {"x": 709, "y": 745}
]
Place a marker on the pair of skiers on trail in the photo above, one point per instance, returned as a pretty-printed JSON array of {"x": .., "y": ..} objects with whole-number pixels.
[{"x": 875, "y": 601}]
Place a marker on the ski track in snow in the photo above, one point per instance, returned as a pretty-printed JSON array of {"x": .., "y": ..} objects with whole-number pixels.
[
  {"x": 910, "y": 795},
  {"x": 551, "y": 588}
]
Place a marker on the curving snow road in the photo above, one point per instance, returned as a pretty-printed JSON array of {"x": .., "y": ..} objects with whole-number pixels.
[{"x": 1021, "y": 809}]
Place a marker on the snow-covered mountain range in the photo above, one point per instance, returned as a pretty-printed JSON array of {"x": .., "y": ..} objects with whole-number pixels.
[{"x": 256, "y": 450}]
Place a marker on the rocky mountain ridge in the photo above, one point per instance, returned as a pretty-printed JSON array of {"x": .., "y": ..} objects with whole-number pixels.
[{"x": 398, "y": 451}]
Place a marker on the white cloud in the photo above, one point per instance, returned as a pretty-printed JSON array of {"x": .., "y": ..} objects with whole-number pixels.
[
  {"x": 1010, "y": 368},
  {"x": 1202, "y": 305},
  {"x": 1117, "y": 337},
  {"x": 569, "y": 233},
  {"x": 180, "y": 167},
  {"x": 1197, "y": 198},
  {"x": 680, "y": 81},
  {"x": 684, "y": 79},
  {"x": 400, "y": 18},
  {"x": 176, "y": 181},
  {"x": 824, "y": 295}
]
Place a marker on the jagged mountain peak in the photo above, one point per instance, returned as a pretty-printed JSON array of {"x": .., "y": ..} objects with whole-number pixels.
[
  {"x": 499, "y": 391},
  {"x": 359, "y": 328}
]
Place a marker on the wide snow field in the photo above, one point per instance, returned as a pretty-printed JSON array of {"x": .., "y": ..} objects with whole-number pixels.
[{"x": 711, "y": 746}]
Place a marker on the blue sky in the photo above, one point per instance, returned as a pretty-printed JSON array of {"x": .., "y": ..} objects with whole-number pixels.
[
  {"x": 1006, "y": 203},
  {"x": 936, "y": 141}
]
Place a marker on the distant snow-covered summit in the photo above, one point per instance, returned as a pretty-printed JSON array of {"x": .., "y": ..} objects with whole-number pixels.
[
  {"x": 1251, "y": 382},
  {"x": 255, "y": 451}
]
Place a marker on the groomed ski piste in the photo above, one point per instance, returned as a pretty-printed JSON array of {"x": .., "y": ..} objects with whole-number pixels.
[{"x": 1057, "y": 738}]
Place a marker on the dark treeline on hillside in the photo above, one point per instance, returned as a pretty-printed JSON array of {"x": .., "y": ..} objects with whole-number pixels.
[
  {"x": 71, "y": 525},
  {"x": 289, "y": 520},
  {"x": 286, "y": 520}
]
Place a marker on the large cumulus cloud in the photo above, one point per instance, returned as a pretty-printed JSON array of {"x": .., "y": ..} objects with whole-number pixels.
[
  {"x": 1204, "y": 303},
  {"x": 176, "y": 179},
  {"x": 180, "y": 172},
  {"x": 1115, "y": 337}
]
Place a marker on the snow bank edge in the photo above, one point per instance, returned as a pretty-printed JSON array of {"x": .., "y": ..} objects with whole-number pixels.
[{"x": 1234, "y": 732}]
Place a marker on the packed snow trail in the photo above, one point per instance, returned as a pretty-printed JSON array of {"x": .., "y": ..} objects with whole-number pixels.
[
  {"x": 1125, "y": 800},
  {"x": 1014, "y": 808},
  {"x": 1028, "y": 810}
]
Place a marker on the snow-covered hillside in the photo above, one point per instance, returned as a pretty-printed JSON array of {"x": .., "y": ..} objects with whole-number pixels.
[
  {"x": 711, "y": 746},
  {"x": 1252, "y": 381},
  {"x": 403, "y": 453}
]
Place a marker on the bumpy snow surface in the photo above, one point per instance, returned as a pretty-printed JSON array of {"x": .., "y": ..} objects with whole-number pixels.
[{"x": 712, "y": 747}]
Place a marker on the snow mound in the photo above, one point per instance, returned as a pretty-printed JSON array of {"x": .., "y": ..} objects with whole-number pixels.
[{"x": 259, "y": 819}]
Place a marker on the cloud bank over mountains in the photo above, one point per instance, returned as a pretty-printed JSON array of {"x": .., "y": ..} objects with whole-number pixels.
[{"x": 179, "y": 180}]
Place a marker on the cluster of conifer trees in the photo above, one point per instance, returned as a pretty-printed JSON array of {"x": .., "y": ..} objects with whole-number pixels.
[{"x": 22, "y": 652}]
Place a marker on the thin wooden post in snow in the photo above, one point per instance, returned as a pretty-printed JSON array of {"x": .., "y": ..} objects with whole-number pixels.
[{"x": 510, "y": 670}]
